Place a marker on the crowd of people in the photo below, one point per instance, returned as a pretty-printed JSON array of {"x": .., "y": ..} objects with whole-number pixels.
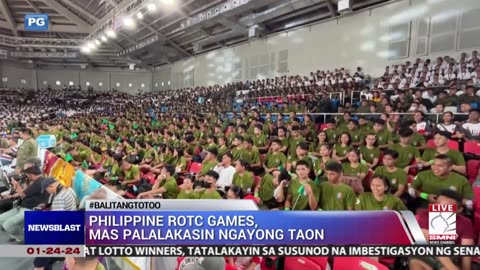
[{"x": 379, "y": 152}]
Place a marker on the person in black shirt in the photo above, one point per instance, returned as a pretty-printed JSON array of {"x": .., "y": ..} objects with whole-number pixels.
[{"x": 30, "y": 197}]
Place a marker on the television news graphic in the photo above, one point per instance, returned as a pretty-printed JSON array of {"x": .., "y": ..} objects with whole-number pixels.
[
  {"x": 20, "y": 251},
  {"x": 442, "y": 221},
  {"x": 36, "y": 22},
  {"x": 284, "y": 251},
  {"x": 54, "y": 227},
  {"x": 196, "y": 228}
]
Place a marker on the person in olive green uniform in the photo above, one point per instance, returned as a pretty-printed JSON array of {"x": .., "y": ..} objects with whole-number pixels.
[
  {"x": 209, "y": 190},
  {"x": 407, "y": 152},
  {"x": 370, "y": 153},
  {"x": 397, "y": 177},
  {"x": 356, "y": 134},
  {"x": 441, "y": 148},
  {"x": 252, "y": 155},
  {"x": 209, "y": 162},
  {"x": 382, "y": 135},
  {"x": 238, "y": 150},
  {"x": 302, "y": 193},
  {"x": 440, "y": 177},
  {"x": 301, "y": 154},
  {"x": 166, "y": 185},
  {"x": 129, "y": 174},
  {"x": 186, "y": 190},
  {"x": 222, "y": 146},
  {"x": 180, "y": 162},
  {"x": 242, "y": 177},
  {"x": 259, "y": 139},
  {"x": 28, "y": 149},
  {"x": 282, "y": 136},
  {"x": 266, "y": 190},
  {"x": 293, "y": 141},
  {"x": 275, "y": 158},
  {"x": 335, "y": 195},
  {"x": 354, "y": 172},
  {"x": 332, "y": 131},
  {"x": 380, "y": 197},
  {"x": 364, "y": 125},
  {"x": 341, "y": 148},
  {"x": 321, "y": 162}
]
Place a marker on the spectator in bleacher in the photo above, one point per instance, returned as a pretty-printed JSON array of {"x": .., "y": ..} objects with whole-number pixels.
[
  {"x": 464, "y": 231},
  {"x": 428, "y": 183},
  {"x": 417, "y": 139},
  {"x": 303, "y": 193},
  {"x": 470, "y": 130},
  {"x": 29, "y": 198},
  {"x": 370, "y": 153},
  {"x": 354, "y": 172},
  {"x": 447, "y": 124},
  {"x": 28, "y": 149},
  {"x": 271, "y": 190},
  {"x": 383, "y": 135},
  {"x": 235, "y": 193},
  {"x": 441, "y": 148},
  {"x": 334, "y": 194},
  {"x": 225, "y": 171},
  {"x": 165, "y": 185},
  {"x": 186, "y": 190},
  {"x": 396, "y": 176},
  {"x": 275, "y": 157},
  {"x": 242, "y": 176},
  {"x": 379, "y": 198},
  {"x": 407, "y": 152},
  {"x": 209, "y": 162},
  {"x": 340, "y": 149},
  {"x": 301, "y": 154},
  {"x": 209, "y": 187}
]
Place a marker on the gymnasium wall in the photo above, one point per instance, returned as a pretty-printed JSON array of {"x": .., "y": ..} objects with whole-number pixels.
[{"x": 24, "y": 76}]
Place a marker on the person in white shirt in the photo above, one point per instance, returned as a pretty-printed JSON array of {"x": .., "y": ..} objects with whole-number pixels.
[
  {"x": 474, "y": 57},
  {"x": 449, "y": 76},
  {"x": 225, "y": 171},
  {"x": 463, "y": 74}
]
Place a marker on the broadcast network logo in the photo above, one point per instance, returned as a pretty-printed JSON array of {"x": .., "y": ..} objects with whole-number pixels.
[{"x": 442, "y": 224}]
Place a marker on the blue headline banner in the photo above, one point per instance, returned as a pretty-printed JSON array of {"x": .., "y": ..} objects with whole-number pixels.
[
  {"x": 54, "y": 227},
  {"x": 245, "y": 228}
]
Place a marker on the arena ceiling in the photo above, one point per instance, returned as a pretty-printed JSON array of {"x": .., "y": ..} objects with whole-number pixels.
[{"x": 95, "y": 32}]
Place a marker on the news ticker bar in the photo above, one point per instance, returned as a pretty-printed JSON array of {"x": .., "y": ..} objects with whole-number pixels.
[
  {"x": 283, "y": 251},
  {"x": 20, "y": 251}
]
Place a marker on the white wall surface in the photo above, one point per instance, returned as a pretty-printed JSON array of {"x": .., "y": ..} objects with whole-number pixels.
[
  {"x": 362, "y": 39},
  {"x": 162, "y": 77}
]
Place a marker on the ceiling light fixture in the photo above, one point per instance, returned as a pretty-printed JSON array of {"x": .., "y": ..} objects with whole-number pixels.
[{"x": 111, "y": 33}]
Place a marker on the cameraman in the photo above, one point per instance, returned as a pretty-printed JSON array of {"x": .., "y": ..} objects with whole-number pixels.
[{"x": 28, "y": 198}]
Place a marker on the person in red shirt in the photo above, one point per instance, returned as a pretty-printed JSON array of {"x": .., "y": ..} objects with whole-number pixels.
[{"x": 465, "y": 236}]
